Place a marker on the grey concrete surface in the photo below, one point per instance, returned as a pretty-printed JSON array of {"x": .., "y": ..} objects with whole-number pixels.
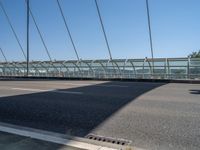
[
  {"x": 151, "y": 115},
  {"x": 16, "y": 142}
]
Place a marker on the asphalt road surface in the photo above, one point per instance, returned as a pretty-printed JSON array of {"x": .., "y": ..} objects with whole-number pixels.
[
  {"x": 151, "y": 115},
  {"x": 16, "y": 142}
]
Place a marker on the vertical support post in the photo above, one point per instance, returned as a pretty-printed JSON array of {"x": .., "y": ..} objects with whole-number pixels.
[
  {"x": 27, "y": 38},
  {"x": 188, "y": 68},
  {"x": 150, "y": 34},
  {"x": 166, "y": 69}
]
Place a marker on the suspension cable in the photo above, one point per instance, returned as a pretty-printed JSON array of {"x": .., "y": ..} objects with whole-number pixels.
[
  {"x": 67, "y": 28},
  {"x": 41, "y": 37},
  {"x": 103, "y": 28},
  {"x": 150, "y": 33},
  {"x": 4, "y": 56},
  {"x": 39, "y": 32},
  {"x": 12, "y": 28}
]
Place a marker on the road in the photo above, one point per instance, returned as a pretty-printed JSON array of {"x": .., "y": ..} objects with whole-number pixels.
[
  {"x": 151, "y": 115},
  {"x": 16, "y": 142}
]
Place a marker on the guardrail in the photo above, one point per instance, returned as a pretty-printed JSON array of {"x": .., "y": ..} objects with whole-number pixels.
[{"x": 168, "y": 68}]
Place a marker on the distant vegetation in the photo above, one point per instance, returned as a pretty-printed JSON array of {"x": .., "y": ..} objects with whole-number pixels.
[{"x": 195, "y": 54}]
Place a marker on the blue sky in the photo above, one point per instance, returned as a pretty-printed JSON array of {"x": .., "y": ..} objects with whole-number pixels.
[{"x": 175, "y": 28}]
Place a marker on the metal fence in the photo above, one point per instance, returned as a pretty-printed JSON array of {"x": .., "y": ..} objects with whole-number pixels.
[{"x": 169, "y": 68}]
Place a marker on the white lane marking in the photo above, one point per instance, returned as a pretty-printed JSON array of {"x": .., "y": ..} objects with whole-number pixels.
[
  {"x": 84, "y": 84},
  {"x": 100, "y": 85},
  {"x": 90, "y": 84},
  {"x": 49, "y": 137},
  {"x": 67, "y": 92},
  {"x": 50, "y": 90},
  {"x": 33, "y": 90},
  {"x": 3, "y": 95},
  {"x": 121, "y": 86}
]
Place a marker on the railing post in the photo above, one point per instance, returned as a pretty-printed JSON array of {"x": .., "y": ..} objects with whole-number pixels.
[{"x": 188, "y": 68}]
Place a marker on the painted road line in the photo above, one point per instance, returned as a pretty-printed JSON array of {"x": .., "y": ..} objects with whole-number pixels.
[
  {"x": 3, "y": 95},
  {"x": 49, "y": 137},
  {"x": 67, "y": 92},
  {"x": 50, "y": 90},
  {"x": 100, "y": 85},
  {"x": 120, "y": 86},
  {"x": 78, "y": 84},
  {"x": 32, "y": 90},
  {"x": 91, "y": 84}
]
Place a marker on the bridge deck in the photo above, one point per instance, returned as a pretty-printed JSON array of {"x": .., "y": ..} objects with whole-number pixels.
[{"x": 151, "y": 115}]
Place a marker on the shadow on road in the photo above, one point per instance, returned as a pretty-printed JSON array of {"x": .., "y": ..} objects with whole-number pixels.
[
  {"x": 74, "y": 114},
  {"x": 194, "y": 91}
]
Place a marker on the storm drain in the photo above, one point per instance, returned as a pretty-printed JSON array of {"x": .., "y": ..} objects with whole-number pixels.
[{"x": 108, "y": 139}]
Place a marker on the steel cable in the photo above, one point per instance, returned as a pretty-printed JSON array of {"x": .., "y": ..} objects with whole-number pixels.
[
  {"x": 39, "y": 32},
  {"x": 103, "y": 28},
  {"x": 67, "y": 28},
  {"x": 150, "y": 33},
  {"x": 12, "y": 28},
  {"x": 3, "y": 54},
  {"x": 41, "y": 37}
]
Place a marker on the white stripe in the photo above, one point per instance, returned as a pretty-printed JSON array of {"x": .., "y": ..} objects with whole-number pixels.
[
  {"x": 121, "y": 86},
  {"x": 50, "y": 90},
  {"x": 27, "y": 89},
  {"x": 49, "y": 137},
  {"x": 84, "y": 84},
  {"x": 3, "y": 95},
  {"x": 67, "y": 92},
  {"x": 100, "y": 85}
]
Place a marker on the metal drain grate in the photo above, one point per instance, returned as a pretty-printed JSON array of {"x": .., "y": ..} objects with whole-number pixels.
[{"x": 108, "y": 139}]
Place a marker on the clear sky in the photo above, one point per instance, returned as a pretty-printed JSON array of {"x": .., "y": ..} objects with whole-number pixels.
[{"x": 175, "y": 28}]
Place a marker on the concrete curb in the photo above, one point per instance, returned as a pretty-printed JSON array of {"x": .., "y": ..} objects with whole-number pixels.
[
  {"x": 49, "y": 137},
  {"x": 69, "y": 141}
]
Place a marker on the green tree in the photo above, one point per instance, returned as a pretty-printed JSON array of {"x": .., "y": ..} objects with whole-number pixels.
[{"x": 195, "y": 54}]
